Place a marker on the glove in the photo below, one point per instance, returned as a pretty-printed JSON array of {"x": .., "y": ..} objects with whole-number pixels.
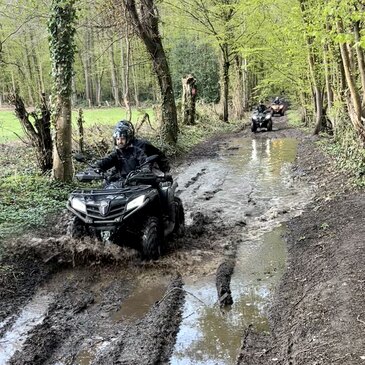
[{"x": 146, "y": 169}]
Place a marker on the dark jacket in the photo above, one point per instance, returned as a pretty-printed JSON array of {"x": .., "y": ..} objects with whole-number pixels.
[
  {"x": 261, "y": 108},
  {"x": 123, "y": 160},
  {"x": 149, "y": 149}
]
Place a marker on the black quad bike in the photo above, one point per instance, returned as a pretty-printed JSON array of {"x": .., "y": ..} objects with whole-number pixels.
[
  {"x": 142, "y": 213},
  {"x": 261, "y": 120}
]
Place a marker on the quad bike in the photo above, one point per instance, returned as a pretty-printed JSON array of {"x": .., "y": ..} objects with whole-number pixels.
[
  {"x": 261, "y": 120},
  {"x": 142, "y": 213},
  {"x": 277, "y": 108}
]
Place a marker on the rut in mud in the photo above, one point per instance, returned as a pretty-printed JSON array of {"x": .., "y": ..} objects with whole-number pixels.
[{"x": 71, "y": 302}]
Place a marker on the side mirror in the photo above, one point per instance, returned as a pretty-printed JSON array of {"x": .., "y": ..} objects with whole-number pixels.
[{"x": 79, "y": 157}]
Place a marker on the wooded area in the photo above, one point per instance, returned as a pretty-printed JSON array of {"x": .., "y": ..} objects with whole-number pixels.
[{"x": 133, "y": 53}]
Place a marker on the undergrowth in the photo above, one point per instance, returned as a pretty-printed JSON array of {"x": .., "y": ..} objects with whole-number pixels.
[{"x": 344, "y": 147}]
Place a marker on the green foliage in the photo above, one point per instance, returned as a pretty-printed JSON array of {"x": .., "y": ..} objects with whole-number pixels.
[
  {"x": 347, "y": 151},
  {"x": 191, "y": 56},
  {"x": 27, "y": 200}
]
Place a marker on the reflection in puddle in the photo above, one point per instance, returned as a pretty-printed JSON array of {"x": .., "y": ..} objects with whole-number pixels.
[
  {"x": 210, "y": 336},
  {"x": 139, "y": 302},
  {"x": 31, "y": 315},
  {"x": 253, "y": 179}
]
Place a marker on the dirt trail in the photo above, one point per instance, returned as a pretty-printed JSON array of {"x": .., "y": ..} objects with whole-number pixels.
[{"x": 80, "y": 299}]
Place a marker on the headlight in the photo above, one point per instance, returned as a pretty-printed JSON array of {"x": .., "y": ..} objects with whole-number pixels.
[
  {"x": 135, "y": 203},
  {"x": 78, "y": 205},
  {"x": 255, "y": 117},
  {"x": 268, "y": 116}
]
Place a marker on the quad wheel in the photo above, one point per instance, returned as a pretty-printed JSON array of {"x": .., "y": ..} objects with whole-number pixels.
[
  {"x": 269, "y": 126},
  {"x": 179, "y": 229},
  {"x": 76, "y": 228},
  {"x": 253, "y": 127},
  {"x": 151, "y": 239}
]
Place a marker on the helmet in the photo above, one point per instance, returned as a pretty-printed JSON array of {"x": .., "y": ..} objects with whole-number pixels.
[
  {"x": 125, "y": 131},
  {"x": 124, "y": 122}
]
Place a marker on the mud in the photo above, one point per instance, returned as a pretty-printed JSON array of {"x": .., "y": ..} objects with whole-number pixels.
[{"x": 225, "y": 293}]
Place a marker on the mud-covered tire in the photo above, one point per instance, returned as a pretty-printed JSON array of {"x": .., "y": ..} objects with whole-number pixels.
[
  {"x": 76, "y": 228},
  {"x": 151, "y": 239},
  {"x": 269, "y": 126},
  {"x": 253, "y": 128},
  {"x": 179, "y": 229}
]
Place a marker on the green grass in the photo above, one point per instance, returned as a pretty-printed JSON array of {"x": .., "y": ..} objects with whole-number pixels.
[{"x": 10, "y": 127}]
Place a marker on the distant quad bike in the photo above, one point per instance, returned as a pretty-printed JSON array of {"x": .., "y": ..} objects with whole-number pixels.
[
  {"x": 260, "y": 120},
  {"x": 142, "y": 213},
  {"x": 277, "y": 108}
]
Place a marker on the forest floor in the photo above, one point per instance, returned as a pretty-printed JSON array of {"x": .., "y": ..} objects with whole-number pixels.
[{"x": 61, "y": 299}]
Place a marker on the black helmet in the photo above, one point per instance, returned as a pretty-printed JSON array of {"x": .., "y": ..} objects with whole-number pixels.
[
  {"x": 124, "y": 122},
  {"x": 123, "y": 130}
]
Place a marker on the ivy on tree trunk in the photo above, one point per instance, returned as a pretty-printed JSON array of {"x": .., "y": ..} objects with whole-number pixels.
[{"x": 62, "y": 31}]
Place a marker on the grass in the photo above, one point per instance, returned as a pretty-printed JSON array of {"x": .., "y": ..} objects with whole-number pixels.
[{"x": 10, "y": 127}]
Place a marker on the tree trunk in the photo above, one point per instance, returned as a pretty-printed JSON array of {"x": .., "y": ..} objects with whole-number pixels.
[
  {"x": 238, "y": 95},
  {"x": 114, "y": 78},
  {"x": 135, "y": 87},
  {"x": 145, "y": 22},
  {"x": 226, "y": 66},
  {"x": 62, "y": 161},
  {"x": 360, "y": 57},
  {"x": 355, "y": 101},
  {"x": 126, "y": 97},
  {"x": 39, "y": 133},
  {"x": 188, "y": 99}
]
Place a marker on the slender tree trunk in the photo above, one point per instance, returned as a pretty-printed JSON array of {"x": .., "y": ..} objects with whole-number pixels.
[
  {"x": 114, "y": 78},
  {"x": 238, "y": 95},
  {"x": 226, "y": 65},
  {"x": 355, "y": 110},
  {"x": 245, "y": 85},
  {"x": 360, "y": 58},
  {"x": 327, "y": 76},
  {"x": 316, "y": 87},
  {"x": 135, "y": 86},
  {"x": 126, "y": 96}
]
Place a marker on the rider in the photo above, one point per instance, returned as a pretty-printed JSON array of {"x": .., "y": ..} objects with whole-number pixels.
[
  {"x": 148, "y": 148},
  {"x": 261, "y": 108},
  {"x": 277, "y": 100},
  {"x": 126, "y": 157}
]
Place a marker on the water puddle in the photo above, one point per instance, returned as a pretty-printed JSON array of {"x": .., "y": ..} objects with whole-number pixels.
[
  {"x": 31, "y": 315},
  {"x": 251, "y": 180},
  {"x": 139, "y": 302}
]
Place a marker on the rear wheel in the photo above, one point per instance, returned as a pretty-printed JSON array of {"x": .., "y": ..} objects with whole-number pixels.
[
  {"x": 179, "y": 228},
  {"x": 151, "y": 239}
]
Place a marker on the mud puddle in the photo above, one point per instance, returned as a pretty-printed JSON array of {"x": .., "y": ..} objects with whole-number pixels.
[{"x": 249, "y": 185}]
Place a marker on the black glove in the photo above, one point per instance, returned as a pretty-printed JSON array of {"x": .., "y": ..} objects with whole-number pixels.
[{"x": 146, "y": 169}]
